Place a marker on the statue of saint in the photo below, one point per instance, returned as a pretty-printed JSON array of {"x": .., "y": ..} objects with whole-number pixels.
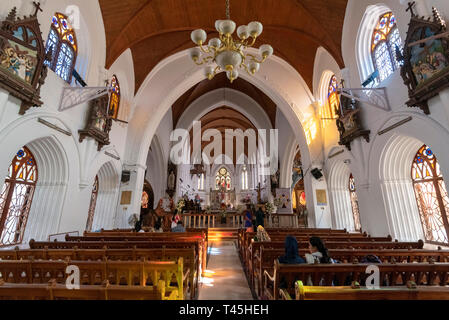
[{"x": 171, "y": 181}]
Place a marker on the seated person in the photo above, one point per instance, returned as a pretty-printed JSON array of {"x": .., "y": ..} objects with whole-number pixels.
[
  {"x": 176, "y": 218},
  {"x": 318, "y": 252},
  {"x": 291, "y": 252},
  {"x": 179, "y": 227},
  {"x": 158, "y": 226}
]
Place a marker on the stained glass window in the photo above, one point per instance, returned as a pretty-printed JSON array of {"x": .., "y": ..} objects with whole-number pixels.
[
  {"x": 93, "y": 204},
  {"x": 384, "y": 42},
  {"x": 114, "y": 103},
  {"x": 431, "y": 196},
  {"x": 62, "y": 43},
  {"x": 16, "y": 196},
  {"x": 333, "y": 98},
  {"x": 354, "y": 204},
  {"x": 223, "y": 180},
  {"x": 244, "y": 178}
]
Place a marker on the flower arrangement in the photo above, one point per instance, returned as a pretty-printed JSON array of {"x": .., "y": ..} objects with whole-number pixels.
[
  {"x": 269, "y": 207},
  {"x": 180, "y": 205},
  {"x": 208, "y": 210},
  {"x": 277, "y": 202}
]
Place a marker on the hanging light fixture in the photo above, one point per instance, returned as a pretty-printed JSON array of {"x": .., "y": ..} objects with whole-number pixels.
[{"x": 226, "y": 53}]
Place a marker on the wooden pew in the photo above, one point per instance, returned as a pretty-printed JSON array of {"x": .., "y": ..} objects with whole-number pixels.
[
  {"x": 264, "y": 260},
  {"x": 54, "y": 291},
  {"x": 130, "y": 273},
  {"x": 336, "y": 274},
  {"x": 255, "y": 247},
  {"x": 359, "y": 293},
  {"x": 200, "y": 251},
  {"x": 191, "y": 261}
]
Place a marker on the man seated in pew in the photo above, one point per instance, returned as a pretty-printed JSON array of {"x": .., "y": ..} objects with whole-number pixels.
[
  {"x": 179, "y": 227},
  {"x": 318, "y": 252}
]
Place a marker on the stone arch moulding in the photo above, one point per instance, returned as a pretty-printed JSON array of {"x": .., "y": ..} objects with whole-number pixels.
[
  {"x": 364, "y": 37},
  {"x": 175, "y": 75},
  {"x": 105, "y": 210}
]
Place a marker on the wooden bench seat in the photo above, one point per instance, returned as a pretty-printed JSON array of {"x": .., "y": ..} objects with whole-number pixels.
[
  {"x": 54, "y": 291},
  {"x": 359, "y": 293},
  {"x": 191, "y": 261},
  {"x": 128, "y": 273},
  {"x": 338, "y": 274},
  {"x": 264, "y": 260}
]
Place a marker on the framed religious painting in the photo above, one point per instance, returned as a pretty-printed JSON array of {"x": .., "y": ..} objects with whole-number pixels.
[
  {"x": 99, "y": 122},
  {"x": 349, "y": 122},
  {"x": 425, "y": 59},
  {"x": 284, "y": 197},
  {"x": 22, "y": 56}
]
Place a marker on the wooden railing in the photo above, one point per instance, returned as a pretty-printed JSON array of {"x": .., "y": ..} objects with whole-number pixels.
[
  {"x": 237, "y": 220},
  {"x": 278, "y": 220},
  {"x": 193, "y": 220}
]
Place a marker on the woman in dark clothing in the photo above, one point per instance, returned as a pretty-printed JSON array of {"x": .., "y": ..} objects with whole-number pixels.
[
  {"x": 291, "y": 252},
  {"x": 248, "y": 219},
  {"x": 260, "y": 216}
]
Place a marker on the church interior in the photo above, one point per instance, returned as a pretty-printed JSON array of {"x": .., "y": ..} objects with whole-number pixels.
[{"x": 224, "y": 150}]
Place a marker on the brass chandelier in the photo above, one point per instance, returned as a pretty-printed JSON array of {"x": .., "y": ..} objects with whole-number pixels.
[{"x": 226, "y": 53}]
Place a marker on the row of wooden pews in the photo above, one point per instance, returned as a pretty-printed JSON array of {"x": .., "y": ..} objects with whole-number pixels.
[
  {"x": 161, "y": 266},
  {"x": 401, "y": 261}
]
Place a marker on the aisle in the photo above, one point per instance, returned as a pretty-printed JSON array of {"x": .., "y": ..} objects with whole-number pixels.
[{"x": 225, "y": 279}]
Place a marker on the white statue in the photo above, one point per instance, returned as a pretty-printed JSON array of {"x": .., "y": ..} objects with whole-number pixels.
[{"x": 171, "y": 181}]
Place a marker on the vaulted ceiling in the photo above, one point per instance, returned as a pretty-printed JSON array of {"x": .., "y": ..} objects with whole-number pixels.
[
  {"x": 156, "y": 29},
  {"x": 222, "y": 119},
  {"x": 221, "y": 81}
]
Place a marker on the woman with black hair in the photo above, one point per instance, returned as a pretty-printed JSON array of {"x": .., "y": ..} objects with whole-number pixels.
[{"x": 318, "y": 252}]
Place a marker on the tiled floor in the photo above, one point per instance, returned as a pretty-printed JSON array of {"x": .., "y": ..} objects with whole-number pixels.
[{"x": 225, "y": 279}]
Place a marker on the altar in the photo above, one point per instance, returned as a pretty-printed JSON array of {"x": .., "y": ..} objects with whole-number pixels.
[{"x": 218, "y": 198}]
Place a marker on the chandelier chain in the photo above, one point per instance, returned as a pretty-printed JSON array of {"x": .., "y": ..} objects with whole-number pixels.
[{"x": 228, "y": 10}]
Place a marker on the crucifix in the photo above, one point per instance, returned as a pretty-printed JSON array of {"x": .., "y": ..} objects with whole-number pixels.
[
  {"x": 259, "y": 190},
  {"x": 410, "y": 8},
  {"x": 37, "y": 7}
]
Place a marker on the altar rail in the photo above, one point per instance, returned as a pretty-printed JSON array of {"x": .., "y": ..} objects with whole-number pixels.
[{"x": 199, "y": 220}]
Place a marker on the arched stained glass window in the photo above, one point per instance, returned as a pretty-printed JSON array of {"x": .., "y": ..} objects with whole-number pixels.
[
  {"x": 354, "y": 204},
  {"x": 16, "y": 197},
  {"x": 384, "y": 42},
  {"x": 223, "y": 180},
  {"x": 333, "y": 98},
  {"x": 431, "y": 196},
  {"x": 114, "y": 103},
  {"x": 62, "y": 44},
  {"x": 245, "y": 178},
  {"x": 93, "y": 204}
]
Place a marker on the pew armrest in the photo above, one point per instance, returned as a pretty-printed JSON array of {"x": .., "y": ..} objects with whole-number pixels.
[
  {"x": 284, "y": 295},
  {"x": 186, "y": 275}
]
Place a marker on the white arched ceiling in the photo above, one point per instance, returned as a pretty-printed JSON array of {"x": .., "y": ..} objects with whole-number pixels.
[
  {"x": 325, "y": 67},
  {"x": 176, "y": 74},
  {"x": 225, "y": 97}
]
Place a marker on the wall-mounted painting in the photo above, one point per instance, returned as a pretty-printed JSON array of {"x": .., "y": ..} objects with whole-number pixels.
[
  {"x": 22, "y": 56},
  {"x": 425, "y": 59}
]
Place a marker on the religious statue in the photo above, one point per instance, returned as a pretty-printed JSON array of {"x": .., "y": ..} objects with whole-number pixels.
[
  {"x": 275, "y": 182},
  {"x": 171, "y": 181}
]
